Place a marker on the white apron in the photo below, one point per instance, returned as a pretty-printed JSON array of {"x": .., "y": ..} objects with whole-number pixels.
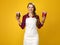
[{"x": 31, "y": 35}]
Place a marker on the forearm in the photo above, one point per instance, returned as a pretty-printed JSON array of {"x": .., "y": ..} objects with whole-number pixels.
[
  {"x": 43, "y": 20},
  {"x": 43, "y": 17},
  {"x": 19, "y": 22}
]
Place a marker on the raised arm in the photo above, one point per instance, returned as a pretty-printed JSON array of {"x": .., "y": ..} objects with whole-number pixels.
[
  {"x": 21, "y": 24},
  {"x": 40, "y": 24}
]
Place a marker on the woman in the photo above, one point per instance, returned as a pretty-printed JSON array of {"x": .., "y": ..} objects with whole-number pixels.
[{"x": 31, "y": 21}]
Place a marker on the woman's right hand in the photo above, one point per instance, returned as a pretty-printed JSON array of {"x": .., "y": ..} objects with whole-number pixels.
[{"x": 17, "y": 15}]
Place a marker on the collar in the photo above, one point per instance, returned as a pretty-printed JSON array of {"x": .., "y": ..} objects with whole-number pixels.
[{"x": 28, "y": 15}]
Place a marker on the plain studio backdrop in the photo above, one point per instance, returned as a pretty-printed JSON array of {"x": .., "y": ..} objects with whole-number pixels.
[{"x": 12, "y": 34}]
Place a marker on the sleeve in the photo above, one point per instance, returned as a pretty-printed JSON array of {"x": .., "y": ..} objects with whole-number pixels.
[
  {"x": 39, "y": 25},
  {"x": 23, "y": 22}
]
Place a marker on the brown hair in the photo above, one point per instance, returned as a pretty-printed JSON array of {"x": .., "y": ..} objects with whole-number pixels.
[{"x": 33, "y": 7}]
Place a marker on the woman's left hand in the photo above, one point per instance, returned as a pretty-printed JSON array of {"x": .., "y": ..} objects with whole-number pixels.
[{"x": 44, "y": 13}]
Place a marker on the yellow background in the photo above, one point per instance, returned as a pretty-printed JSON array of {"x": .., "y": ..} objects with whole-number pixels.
[{"x": 12, "y": 34}]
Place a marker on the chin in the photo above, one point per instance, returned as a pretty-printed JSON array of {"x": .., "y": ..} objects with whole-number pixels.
[{"x": 30, "y": 12}]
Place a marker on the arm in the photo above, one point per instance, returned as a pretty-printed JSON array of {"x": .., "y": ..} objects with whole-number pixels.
[
  {"x": 21, "y": 24},
  {"x": 40, "y": 24}
]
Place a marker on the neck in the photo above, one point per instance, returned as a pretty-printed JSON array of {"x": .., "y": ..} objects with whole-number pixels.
[{"x": 31, "y": 14}]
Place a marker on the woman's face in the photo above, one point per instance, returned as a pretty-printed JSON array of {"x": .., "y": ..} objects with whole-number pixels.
[{"x": 30, "y": 8}]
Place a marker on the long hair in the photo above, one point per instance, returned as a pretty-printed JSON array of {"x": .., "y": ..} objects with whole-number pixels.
[{"x": 33, "y": 7}]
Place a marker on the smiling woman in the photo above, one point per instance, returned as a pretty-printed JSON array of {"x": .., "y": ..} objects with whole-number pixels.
[
  {"x": 31, "y": 21},
  {"x": 12, "y": 34}
]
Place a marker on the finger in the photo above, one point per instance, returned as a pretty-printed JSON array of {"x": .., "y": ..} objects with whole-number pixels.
[
  {"x": 17, "y": 14},
  {"x": 44, "y": 14}
]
